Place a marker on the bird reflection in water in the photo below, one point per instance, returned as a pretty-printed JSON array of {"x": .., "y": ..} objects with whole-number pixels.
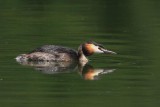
[{"x": 87, "y": 71}]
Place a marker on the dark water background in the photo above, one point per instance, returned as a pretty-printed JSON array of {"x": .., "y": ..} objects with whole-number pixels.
[{"x": 129, "y": 27}]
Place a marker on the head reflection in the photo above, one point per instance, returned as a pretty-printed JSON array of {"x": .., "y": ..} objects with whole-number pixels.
[{"x": 87, "y": 71}]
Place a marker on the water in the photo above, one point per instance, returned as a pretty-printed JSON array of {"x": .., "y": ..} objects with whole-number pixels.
[{"x": 130, "y": 28}]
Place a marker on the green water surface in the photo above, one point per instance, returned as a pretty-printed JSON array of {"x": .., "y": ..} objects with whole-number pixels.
[{"x": 129, "y": 27}]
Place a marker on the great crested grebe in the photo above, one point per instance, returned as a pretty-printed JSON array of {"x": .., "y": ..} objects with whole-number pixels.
[{"x": 59, "y": 53}]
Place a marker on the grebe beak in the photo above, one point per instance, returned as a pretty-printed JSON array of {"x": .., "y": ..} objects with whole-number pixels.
[{"x": 106, "y": 51}]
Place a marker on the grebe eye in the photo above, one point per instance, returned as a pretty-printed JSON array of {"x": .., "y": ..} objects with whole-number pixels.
[{"x": 99, "y": 48}]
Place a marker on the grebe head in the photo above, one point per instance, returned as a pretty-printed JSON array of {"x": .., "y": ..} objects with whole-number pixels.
[
  {"x": 89, "y": 48},
  {"x": 92, "y": 47}
]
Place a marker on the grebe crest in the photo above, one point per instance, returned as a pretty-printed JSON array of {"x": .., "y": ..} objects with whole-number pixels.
[{"x": 59, "y": 53}]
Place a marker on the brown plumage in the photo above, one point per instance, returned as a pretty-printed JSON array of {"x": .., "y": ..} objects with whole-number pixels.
[{"x": 59, "y": 53}]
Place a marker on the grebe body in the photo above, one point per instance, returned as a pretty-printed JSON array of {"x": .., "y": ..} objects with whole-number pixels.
[{"x": 60, "y": 53}]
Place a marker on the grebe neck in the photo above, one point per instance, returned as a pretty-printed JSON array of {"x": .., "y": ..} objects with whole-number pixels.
[{"x": 81, "y": 56}]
